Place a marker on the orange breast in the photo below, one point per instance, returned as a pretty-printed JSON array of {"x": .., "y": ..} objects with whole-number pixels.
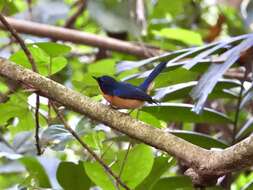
[{"x": 123, "y": 103}]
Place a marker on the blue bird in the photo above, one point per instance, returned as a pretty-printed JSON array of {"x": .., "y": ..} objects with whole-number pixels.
[{"x": 124, "y": 95}]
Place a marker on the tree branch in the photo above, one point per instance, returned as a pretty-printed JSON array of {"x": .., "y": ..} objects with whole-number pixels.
[
  {"x": 204, "y": 162},
  {"x": 70, "y": 35},
  {"x": 71, "y": 20}
]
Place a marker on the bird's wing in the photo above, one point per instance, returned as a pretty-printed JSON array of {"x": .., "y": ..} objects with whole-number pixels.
[{"x": 128, "y": 91}]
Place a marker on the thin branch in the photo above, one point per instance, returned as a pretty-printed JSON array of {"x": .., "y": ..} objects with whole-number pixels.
[
  {"x": 80, "y": 37},
  {"x": 37, "y": 128},
  {"x": 86, "y": 147},
  {"x": 204, "y": 162},
  {"x": 71, "y": 20},
  {"x": 14, "y": 33},
  {"x": 34, "y": 68}
]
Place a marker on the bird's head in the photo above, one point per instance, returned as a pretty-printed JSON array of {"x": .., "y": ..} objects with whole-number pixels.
[{"x": 106, "y": 83}]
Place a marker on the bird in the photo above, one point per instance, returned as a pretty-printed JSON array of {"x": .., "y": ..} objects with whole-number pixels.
[{"x": 123, "y": 95}]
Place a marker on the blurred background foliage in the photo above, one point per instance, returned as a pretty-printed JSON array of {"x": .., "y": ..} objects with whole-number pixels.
[{"x": 169, "y": 26}]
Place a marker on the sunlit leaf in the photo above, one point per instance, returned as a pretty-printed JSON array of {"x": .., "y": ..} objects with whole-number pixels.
[
  {"x": 187, "y": 36},
  {"x": 53, "y": 49}
]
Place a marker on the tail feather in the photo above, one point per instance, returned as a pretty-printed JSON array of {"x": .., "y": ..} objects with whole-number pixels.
[{"x": 157, "y": 70}]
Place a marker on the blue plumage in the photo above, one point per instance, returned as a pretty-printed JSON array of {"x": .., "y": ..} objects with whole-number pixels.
[{"x": 112, "y": 88}]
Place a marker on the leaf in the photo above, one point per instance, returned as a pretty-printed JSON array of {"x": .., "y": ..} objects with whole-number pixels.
[
  {"x": 104, "y": 66},
  {"x": 178, "y": 112},
  {"x": 199, "y": 139},
  {"x": 36, "y": 170},
  {"x": 176, "y": 182},
  {"x": 40, "y": 57},
  {"x": 8, "y": 152},
  {"x": 171, "y": 57},
  {"x": 186, "y": 36},
  {"x": 248, "y": 186},
  {"x": 160, "y": 166},
  {"x": 95, "y": 139},
  {"x": 58, "y": 63},
  {"x": 147, "y": 118},
  {"x": 198, "y": 58},
  {"x": 247, "y": 96},
  {"x": 56, "y": 136},
  {"x": 215, "y": 72},
  {"x": 17, "y": 107},
  {"x": 181, "y": 91},
  {"x": 54, "y": 49},
  {"x": 98, "y": 175},
  {"x": 128, "y": 65},
  {"x": 42, "y": 60},
  {"x": 23, "y": 143},
  {"x": 72, "y": 176},
  {"x": 245, "y": 130},
  {"x": 138, "y": 165}
]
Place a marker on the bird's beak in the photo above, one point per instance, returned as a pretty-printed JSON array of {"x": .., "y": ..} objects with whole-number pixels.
[{"x": 96, "y": 78}]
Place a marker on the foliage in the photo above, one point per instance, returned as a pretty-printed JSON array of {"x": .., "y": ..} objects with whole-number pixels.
[{"x": 197, "y": 98}]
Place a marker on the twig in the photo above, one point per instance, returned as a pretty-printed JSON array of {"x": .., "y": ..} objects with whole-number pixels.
[
  {"x": 20, "y": 41},
  {"x": 237, "y": 113},
  {"x": 37, "y": 128},
  {"x": 85, "y": 146},
  {"x": 71, "y": 20},
  {"x": 34, "y": 68}
]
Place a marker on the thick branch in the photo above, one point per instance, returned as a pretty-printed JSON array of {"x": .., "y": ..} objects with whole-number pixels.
[
  {"x": 64, "y": 34},
  {"x": 205, "y": 162}
]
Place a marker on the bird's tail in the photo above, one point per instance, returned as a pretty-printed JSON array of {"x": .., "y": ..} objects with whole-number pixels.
[{"x": 157, "y": 70}]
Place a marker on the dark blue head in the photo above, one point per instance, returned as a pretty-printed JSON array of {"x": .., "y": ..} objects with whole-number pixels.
[{"x": 106, "y": 84}]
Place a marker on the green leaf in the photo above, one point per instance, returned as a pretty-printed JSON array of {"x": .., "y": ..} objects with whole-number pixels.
[
  {"x": 58, "y": 63},
  {"x": 17, "y": 106},
  {"x": 95, "y": 139},
  {"x": 176, "y": 182},
  {"x": 248, "y": 186},
  {"x": 42, "y": 60},
  {"x": 200, "y": 139},
  {"x": 178, "y": 112},
  {"x": 54, "y": 49},
  {"x": 98, "y": 175},
  {"x": 72, "y": 176},
  {"x": 147, "y": 118},
  {"x": 105, "y": 66},
  {"x": 138, "y": 165},
  {"x": 160, "y": 166},
  {"x": 187, "y": 36},
  {"x": 36, "y": 170}
]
